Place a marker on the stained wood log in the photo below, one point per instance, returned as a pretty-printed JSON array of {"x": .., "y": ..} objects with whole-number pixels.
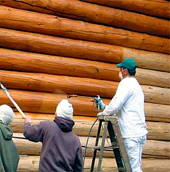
[
  {"x": 97, "y": 14},
  {"x": 152, "y": 149},
  {"x": 150, "y": 77},
  {"x": 57, "y": 84},
  {"x": 50, "y": 25},
  {"x": 31, "y": 163},
  {"x": 23, "y": 61},
  {"x": 80, "y": 49},
  {"x": 156, "y": 114},
  {"x": 39, "y": 102},
  {"x": 153, "y": 8},
  {"x": 157, "y": 130},
  {"x": 156, "y": 94},
  {"x": 46, "y": 102},
  {"x": 157, "y": 149},
  {"x": 82, "y": 68},
  {"x": 76, "y": 85}
]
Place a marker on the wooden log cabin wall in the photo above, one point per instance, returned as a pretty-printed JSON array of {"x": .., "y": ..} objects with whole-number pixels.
[{"x": 51, "y": 49}]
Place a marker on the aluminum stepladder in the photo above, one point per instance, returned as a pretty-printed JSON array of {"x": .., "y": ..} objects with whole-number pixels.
[{"x": 117, "y": 144}]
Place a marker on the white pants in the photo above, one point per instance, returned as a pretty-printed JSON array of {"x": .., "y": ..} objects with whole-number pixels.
[{"x": 134, "y": 147}]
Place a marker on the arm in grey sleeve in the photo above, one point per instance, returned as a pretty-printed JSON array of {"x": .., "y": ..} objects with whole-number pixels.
[{"x": 33, "y": 132}]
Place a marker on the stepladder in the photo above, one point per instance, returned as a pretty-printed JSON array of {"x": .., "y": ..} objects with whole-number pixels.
[{"x": 112, "y": 132}]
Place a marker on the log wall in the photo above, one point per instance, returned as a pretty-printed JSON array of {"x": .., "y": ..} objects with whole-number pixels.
[{"x": 50, "y": 50}]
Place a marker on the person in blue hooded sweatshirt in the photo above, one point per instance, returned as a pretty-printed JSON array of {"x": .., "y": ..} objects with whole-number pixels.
[
  {"x": 9, "y": 157},
  {"x": 61, "y": 148}
]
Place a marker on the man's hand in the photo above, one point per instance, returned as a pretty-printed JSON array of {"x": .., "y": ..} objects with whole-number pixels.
[{"x": 99, "y": 114}]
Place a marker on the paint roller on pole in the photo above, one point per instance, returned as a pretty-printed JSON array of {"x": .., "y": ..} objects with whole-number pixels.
[{"x": 12, "y": 100}]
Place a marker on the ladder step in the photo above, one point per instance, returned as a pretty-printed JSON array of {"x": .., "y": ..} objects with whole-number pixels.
[
  {"x": 114, "y": 144},
  {"x": 110, "y": 148}
]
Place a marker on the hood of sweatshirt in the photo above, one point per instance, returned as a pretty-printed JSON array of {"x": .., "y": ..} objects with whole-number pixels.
[
  {"x": 6, "y": 131},
  {"x": 66, "y": 125}
]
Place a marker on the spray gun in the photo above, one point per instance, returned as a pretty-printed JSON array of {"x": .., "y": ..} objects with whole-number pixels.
[
  {"x": 12, "y": 100},
  {"x": 98, "y": 102}
]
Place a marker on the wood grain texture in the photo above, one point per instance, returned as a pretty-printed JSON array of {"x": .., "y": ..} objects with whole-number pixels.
[
  {"x": 154, "y": 8},
  {"x": 96, "y": 14},
  {"x": 157, "y": 130},
  {"x": 51, "y": 25},
  {"x": 50, "y": 45},
  {"x": 39, "y": 102},
  {"x": 108, "y": 164}
]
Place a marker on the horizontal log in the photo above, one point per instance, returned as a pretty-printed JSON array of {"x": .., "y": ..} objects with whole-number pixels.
[
  {"x": 148, "y": 165},
  {"x": 154, "y": 112},
  {"x": 46, "y": 102},
  {"x": 39, "y": 102},
  {"x": 152, "y": 148},
  {"x": 25, "y": 62},
  {"x": 50, "y": 25},
  {"x": 57, "y": 84},
  {"x": 104, "y": 15},
  {"x": 150, "y": 77},
  {"x": 81, "y": 49},
  {"x": 31, "y": 163},
  {"x": 154, "y": 8},
  {"x": 75, "y": 85},
  {"x": 156, "y": 94},
  {"x": 157, "y": 130}
]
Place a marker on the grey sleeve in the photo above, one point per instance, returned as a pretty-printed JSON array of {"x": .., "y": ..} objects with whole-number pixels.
[{"x": 33, "y": 132}]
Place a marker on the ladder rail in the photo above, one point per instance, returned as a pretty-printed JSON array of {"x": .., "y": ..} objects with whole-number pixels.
[
  {"x": 117, "y": 153},
  {"x": 117, "y": 144},
  {"x": 120, "y": 142},
  {"x": 102, "y": 146},
  {"x": 96, "y": 144}
]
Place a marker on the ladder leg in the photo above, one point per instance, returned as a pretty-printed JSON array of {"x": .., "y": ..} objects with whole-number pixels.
[
  {"x": 121, "y": 156},
  {"x": 114, "y": 144},
  {"x": 102, "y": 146},
  {"x": 96, "y": 144},
  {"x": 122, "y": 149}
]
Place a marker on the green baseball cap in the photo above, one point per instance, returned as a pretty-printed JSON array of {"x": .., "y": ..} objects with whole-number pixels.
[{"x": 128, "y": 63}]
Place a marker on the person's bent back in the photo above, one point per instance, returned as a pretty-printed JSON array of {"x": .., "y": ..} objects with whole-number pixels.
[{"x": 61, "y": 148}]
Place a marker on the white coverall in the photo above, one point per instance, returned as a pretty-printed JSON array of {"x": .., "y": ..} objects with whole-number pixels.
[{"x": 128, "y": 105}]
